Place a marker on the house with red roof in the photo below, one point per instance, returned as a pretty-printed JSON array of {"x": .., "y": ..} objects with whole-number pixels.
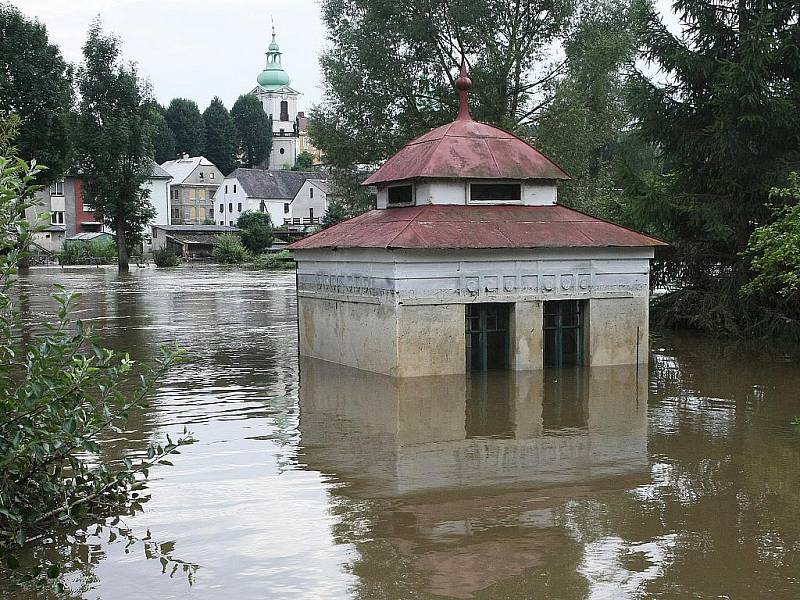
[{"x": 469, "y": 263}]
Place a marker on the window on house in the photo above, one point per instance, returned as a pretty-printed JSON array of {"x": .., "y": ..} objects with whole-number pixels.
[
  {"x": 282, "y": 151},
  {"x": 563, "y": 332},
  {"x": 230, "y": 223},
  {"x": 234, "y": 188},
  {"x": 284, "y": 110},
  {"x": 487, "y": 341},
  {"x": 222, "y": 208},
  {"x": 495, "y": 192},
  {"x": 57, "y": 188},
  {"x": 230, "y": 206},
  {"x": 222, "y": 223},
  {"x": 239, "y": 207},
  {"x": 311, "y": 192},
  {"x": 286, "y": 207},
  {"x": 57, "y": 217},
  {"x": 211, "y": 212},
  {"x": 201, "y": 174},
  {"x": 400, "y": 194},
  {"x": 87, "y": 206},
  {"x": 211, "y": 175},
  {"x": 226, "y": 189}
]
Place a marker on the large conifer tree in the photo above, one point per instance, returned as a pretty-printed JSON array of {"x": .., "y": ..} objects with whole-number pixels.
[
  {"x": 253, "y": 131},
  {"x": 186, "y": 123},
  {"x": 220, "y": 136}
]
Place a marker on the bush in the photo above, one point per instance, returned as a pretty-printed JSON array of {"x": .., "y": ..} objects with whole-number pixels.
[
  {"x": 256, "y": 230},
  {"x": 229, "y": 250},
  {"x": 279, "y": 261},
  {"x": 60, "y": 394},
  {"x": 97, "y": 252},
  {"x": 165, "y": 257}
]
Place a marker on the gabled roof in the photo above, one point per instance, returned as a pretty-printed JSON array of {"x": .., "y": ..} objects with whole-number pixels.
[
  {"x": 442, "y": 226},
  {"x": 156, "y": 172},
  {"x": 467, "y": 149},
  {"x": 181, "y": 168},
  {"x": 271, "y": 184}
]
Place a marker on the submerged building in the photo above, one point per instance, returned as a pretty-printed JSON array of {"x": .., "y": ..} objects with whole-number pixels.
[{"x": 469, "y": 263}]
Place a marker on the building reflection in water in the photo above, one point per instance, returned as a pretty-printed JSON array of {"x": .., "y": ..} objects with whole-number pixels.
[{"x": 468, "y": 475}]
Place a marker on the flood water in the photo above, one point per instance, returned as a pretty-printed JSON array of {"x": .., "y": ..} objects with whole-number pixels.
[{"x": 310, "y": 480}]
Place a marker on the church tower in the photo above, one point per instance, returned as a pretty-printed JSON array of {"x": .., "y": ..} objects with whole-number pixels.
[{"x": 280, "y": 102}]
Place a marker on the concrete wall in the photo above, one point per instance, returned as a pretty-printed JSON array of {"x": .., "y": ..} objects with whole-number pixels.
[
  {"x": 617, "y": 328},
  {"x": 349, "y": 299}
]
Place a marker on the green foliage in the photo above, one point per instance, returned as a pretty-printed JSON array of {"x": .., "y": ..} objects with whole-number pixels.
[
  {"x": 60, "y": 392},
  {"x": 165, "y": 257},
  {"x": 376, "y": 101},
  {"x": 220, "y": 136},
  {"x": 163, "y": 138},
  {"x": 347, "y": 191},
  {"x": 229, "y": 250},
  {"x": 304, "y": 162},
  {"x": 35, "y": 84},
  {"x": 335, "y": 213},
  {"x": 255, "y": 230},
  {"x": 186, "y": 123},
  {"x": 276, "y": 261},
  {"x": 253, "y": 131},
  {"x": 96, "y": 252},
  {"x": 774, "y": 249},
  {"x": 114, "y": 140}
]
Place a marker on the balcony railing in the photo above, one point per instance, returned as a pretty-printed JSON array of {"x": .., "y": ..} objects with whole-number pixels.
[{"x": 302, "y": 221}]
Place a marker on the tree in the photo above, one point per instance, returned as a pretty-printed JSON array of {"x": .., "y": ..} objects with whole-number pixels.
[
  {"x": 255, "y": 229},
  {"x": 725, "y": 115},
  {"x": 184, "y": 119},
  {"x": 377, "y": 101},
  {"x": 775, "y": 248},
  {"x": 114, "y": 140},
  {"x": 304, "y": 162},
  {"x": 36, "y": 84},
  {"x": 220, "y": 141},
  {"x": 253, "y": 131},
  {"x": 335, "y": 213},
  {"x": 163, "y": 138},
  {"x": 60, "y": 393}
]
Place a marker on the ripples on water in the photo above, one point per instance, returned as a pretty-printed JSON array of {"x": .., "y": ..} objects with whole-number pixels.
[{"x": 562, "y": 484}]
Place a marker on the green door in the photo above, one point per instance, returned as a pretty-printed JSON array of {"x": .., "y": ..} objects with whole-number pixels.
[
  {"x": 563, "y": 332},
  {"x": 487, "y": 336}
]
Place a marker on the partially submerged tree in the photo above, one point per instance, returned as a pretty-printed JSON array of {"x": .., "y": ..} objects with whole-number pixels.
[
  {"x": 253, "y": 131},
  {"x": 255, "y": 229},
  {"x": 186, "y": 123},
  {"x": 36, "y": 85},
  {"x": 220, "y": 141},
  {"x": 114, "y": 140}
]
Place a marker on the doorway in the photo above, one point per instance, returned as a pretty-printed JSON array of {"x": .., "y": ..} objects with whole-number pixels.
[
  {"x": 487, "y": 336},
  {"x": 564, "y": 332}
]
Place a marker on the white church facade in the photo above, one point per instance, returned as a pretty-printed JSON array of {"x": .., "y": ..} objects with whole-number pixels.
[{"x": 279, "y": 101}]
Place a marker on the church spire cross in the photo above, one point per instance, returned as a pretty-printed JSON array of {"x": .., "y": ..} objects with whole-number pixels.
[{"x": 463, "y": 85}]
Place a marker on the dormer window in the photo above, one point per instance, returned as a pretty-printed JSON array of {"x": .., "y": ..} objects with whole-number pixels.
[
  {"x": 400, "y": 195},
  {"x": 495, "y": 192}
]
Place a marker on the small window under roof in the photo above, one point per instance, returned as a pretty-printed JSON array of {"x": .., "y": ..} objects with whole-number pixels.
[
  {"x": 400, "y": 195},
  {"x": 495, "y": 192}
]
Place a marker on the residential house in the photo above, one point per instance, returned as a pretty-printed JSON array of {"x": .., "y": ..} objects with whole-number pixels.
[
  {"x": 309, "y": 204},
  {"x": 261, "y": 190},
  {"x": 191, "y": 191},
  {"x": 304, "y": 139}
]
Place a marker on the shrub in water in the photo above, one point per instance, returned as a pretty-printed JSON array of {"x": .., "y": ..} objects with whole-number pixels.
[
  {"x": 165, "y": 257},
  {"x": 97, "y": 252},
  {"x": 273, "y": 262},
  {"x": 229, "y": 250}
]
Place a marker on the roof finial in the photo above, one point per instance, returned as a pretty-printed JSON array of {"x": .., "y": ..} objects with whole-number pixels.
[{"x": 463, "y": 85}]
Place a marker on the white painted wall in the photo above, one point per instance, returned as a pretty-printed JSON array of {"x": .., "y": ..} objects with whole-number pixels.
[
  {"x": 304, "y": 201},
  {"x": 449, "y": 191},
  {"x": 159, "y": 197}
]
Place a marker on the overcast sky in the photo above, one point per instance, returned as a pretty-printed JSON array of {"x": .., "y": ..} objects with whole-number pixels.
[
  {"x": 196, "y": 49},
  {"x": 199, "y": 49}
]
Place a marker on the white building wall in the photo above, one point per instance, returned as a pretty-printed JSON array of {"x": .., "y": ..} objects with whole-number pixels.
[
  {"x": 308, "y": 197},
  {"x": 227, "y": 200},
  {"x": 159, "y": 197},
  {"x": 446, "y": 191}
]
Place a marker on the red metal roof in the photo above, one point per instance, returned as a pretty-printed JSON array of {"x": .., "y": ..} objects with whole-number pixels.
[
  {"x": 467, "y": 149},
  {"x": 457, "y": 226}
]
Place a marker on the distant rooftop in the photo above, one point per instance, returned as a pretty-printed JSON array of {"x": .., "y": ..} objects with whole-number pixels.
[
  {"x": 181, "y": 168},
  {"x": 197, "y": 228},
  {"x": 272, "y": 184},
  {"x": 157, "y": 172}
]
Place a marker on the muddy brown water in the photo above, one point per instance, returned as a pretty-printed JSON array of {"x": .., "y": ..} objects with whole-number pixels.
[{"x": 309, "y": 480}]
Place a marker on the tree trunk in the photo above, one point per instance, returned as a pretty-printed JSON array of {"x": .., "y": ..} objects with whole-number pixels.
[{"x": 122, "y": 246}]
